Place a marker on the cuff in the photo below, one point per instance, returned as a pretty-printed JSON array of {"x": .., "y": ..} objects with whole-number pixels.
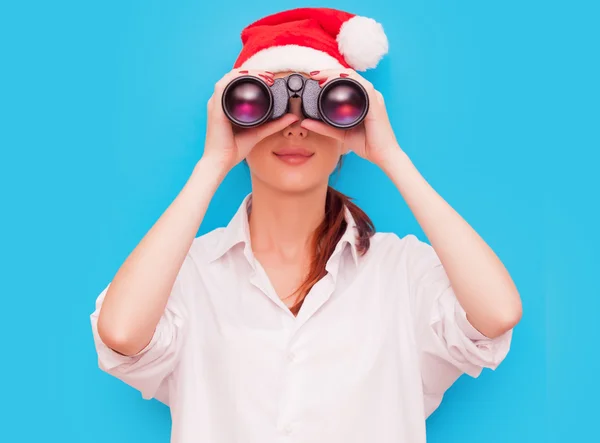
[
  {"x": 109, "y": 359},
  {"x": 489, "y": 351}
]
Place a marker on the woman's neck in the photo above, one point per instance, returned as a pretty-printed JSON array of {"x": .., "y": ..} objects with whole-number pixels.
[{"x": 283, "y": 223}]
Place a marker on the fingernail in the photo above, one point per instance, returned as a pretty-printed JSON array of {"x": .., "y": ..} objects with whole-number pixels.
[
  {"x": 322, "y": 81},
  {"x": 314, "y": 72},
  {"x": 343, "y": 74},
  {"x": 243, "y": 72}
]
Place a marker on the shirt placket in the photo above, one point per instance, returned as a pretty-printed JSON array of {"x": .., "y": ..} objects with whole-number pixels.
[{"x": 295, "y": 358}]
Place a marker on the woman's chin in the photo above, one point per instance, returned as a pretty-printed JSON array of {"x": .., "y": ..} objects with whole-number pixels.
[{"x": 295, "y": 183}]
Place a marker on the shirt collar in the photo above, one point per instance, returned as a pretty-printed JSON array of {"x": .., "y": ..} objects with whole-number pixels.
[{"x": 237, "y": 232}]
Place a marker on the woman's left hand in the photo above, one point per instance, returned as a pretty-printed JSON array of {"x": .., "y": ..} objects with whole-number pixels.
[{"x": 374, "y": 138}]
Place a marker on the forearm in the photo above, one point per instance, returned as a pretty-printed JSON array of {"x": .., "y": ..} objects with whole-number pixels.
[
  {"x": 482, "y": 284},
  {"x": 139, "y": 292}
]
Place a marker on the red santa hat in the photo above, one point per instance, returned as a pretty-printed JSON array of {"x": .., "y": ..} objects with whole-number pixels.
[{"x": 311, "y": 39}]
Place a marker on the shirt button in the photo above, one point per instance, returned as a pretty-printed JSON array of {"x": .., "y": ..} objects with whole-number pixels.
[
  {"x": 287, "y": 430},
  {"x": 291, "y": 357}
]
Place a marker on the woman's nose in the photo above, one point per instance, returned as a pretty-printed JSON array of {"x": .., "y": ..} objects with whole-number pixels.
[{"x": 295, "y": 130}]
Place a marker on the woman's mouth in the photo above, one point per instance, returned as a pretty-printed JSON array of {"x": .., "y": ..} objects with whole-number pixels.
[{"x": 294, "y": 155}]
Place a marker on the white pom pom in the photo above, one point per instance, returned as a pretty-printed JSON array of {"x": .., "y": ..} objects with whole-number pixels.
[{"x": 362, "y": 42}]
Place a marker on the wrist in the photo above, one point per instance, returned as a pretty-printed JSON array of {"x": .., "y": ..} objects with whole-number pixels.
[
  {"x": 211, "y": 169},
  {"x": 400, "y": 169},
  {"x": 392, "y": 155},
  {"x": 214, "y": 165}
]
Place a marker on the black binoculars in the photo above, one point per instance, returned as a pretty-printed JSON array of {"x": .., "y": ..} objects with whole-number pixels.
[{"x": 248, "y": 101}]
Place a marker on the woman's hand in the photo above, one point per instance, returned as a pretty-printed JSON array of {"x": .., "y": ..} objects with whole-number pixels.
[
  {"x": 227, "y": 145},
  {"x": 374, "y": 138}
]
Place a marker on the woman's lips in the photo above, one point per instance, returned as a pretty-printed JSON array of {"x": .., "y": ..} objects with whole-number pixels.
[{"x": 294, "y": 155}]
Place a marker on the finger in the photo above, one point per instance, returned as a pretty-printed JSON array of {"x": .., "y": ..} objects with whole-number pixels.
[
  {"x": 326, "y": 77},
  {"x": 276, "y": 125},
  {"x": 255, "y": 72},
  {"x": 327, "y": 73},
  {"x": 323, "y": 129},
  {"x": 266, "y": 76},
  {"x": 255, "y": 135}
]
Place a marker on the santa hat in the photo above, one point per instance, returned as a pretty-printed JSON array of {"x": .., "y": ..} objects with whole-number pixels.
[{"x": 311, "y": 39}]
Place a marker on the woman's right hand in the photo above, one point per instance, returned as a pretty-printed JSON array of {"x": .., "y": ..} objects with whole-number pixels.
[{"x": 228, "y": 145}]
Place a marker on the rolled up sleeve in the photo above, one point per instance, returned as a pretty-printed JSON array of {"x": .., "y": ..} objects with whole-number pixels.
[
  {"x": 449, "y": 345},
  {"x": 148, "y": 369}
]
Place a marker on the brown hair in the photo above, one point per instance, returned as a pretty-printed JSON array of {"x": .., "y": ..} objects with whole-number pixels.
[{"x": 327, "y": 236}]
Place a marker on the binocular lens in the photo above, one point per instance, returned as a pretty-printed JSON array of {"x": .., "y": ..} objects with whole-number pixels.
[
  {"x": 343, "y": 104},
  {"x": 247, "y": 102}
]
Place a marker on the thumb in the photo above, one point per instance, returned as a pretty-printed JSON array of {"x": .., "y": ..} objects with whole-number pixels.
[
  {"x": 323, "y": 129},
  {"x": 277, "y": 125},
  {"x": 263, "y": 131}
]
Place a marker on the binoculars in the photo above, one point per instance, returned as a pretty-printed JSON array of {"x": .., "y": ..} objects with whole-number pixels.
[{"x": 248, "y": 101}]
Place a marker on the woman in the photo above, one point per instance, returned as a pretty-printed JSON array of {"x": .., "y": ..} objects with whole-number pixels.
[{"x": 297, "y": 320}]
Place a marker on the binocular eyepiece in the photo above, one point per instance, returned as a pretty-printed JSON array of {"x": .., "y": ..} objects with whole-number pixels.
[{"x": 249, "y": 101}]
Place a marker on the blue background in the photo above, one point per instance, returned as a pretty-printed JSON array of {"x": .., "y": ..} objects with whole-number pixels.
[{"x": 102, "y": 118}]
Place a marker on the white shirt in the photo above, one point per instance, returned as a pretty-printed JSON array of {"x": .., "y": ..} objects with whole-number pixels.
[{"x": 373, "y": 349}]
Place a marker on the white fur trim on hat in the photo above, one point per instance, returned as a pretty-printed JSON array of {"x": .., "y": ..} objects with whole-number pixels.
[
  {"x": 362, "y": 42},
  {"x": 291, "y": 58}
]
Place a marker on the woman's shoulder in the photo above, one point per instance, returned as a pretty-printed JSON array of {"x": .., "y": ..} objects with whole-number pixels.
[
  {"x": 396, "y": 241},
  {"x": 204, "y": 243},
  {"x": 390, "y": 246},
  {"x": 213, "y": 244}
]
